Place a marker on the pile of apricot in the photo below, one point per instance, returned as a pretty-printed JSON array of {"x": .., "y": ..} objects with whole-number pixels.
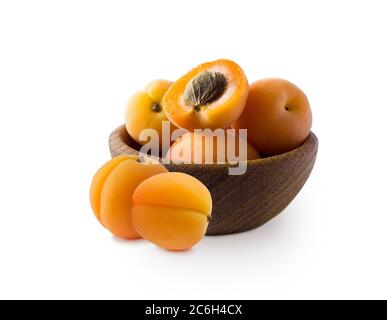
[{"x": 139, "y": 198}]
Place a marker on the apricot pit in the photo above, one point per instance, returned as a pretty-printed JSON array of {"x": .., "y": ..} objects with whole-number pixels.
[{"x": 205, "y": 88}]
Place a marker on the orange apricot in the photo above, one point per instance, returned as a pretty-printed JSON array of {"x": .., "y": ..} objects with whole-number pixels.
[
  {"x": 277, "y": 116},
  {"x": 145, "y": 110},
  {"x": 219, "y": 146},
  {"x": 172, "y": 210},
  {"x": 112, "y": 188},
  {"x": 212, "y": 95}
]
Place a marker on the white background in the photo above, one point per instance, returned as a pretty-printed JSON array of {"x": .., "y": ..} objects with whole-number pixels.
[{"x": 67, "y": 69}]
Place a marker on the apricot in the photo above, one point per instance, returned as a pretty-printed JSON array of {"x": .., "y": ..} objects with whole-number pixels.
[
  {"x": 112, "y": 188},
  {"x": 219, "y": 146},
  {"x": 277, "y": 116},
  {"x": 145, "y": 110},
  {"x": 172, "y": 210},
  {"x": 212, "y": 95}
]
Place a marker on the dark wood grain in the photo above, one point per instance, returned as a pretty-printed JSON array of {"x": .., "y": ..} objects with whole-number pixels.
[{"x": 247, "y": 201}]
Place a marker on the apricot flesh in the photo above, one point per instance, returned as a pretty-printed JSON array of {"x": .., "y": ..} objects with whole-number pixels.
[
  {"x": 212, "y": 95},
  {"x": 277, "y": 116},
  {"x": 144, "y": 110},
  {"x": 172, "y": 210},
  {"x": 210, "y": 149},
  {"x": 111, "y": 192}
]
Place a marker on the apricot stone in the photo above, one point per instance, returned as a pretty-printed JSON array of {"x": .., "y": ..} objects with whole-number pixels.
[
  {"x": 112, "y": 188},
  {"x": 172, "y": 210}
]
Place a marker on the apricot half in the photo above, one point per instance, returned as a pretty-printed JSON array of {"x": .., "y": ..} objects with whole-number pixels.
[
  {"x": 172, "y": 210},
  {"x": 211, "y": 95},
  {"x": 220, "y": 146},
  {"x": 145, "y": 110},
  {"x": 112, "y": 188},
  {"x": 277, "y": 116}
]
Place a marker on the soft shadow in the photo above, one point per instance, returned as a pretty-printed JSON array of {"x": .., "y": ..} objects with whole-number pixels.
[
  {"x": 124, "y": 242},
  {"x": 184, "y": 253},
  {"x": 151, "y": 246},
  {"x": 283, "y": 230}
]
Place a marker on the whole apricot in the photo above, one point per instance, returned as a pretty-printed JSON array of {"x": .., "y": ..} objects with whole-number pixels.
[
  {"x": 145, "y": 110},
  {"x": 112, "y": 188},
  {"x": 172, "y": 210},
  {"x": 211, "y": 95},
  {"x": 220, "y": 146},
  {"x": 277, "y": 116}
]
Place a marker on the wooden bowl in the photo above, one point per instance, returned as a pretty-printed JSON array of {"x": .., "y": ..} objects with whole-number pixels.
[{"x": 246, "y": 201}]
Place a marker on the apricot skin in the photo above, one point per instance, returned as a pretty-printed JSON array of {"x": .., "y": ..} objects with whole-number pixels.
[
  {"x": 277, "y": 116},
  {"x": 187, "y": 145},
  {"x": 111, "y": 192},
  {"x": 144, "y": 110},
  {"x": 171, "y": 210}
]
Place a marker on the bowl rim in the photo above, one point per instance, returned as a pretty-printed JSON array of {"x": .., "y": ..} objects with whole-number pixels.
[{"x": 310, "y": 140}]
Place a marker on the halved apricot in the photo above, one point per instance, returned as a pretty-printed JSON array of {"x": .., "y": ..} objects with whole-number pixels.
[{"x": 211, "y": 95}]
